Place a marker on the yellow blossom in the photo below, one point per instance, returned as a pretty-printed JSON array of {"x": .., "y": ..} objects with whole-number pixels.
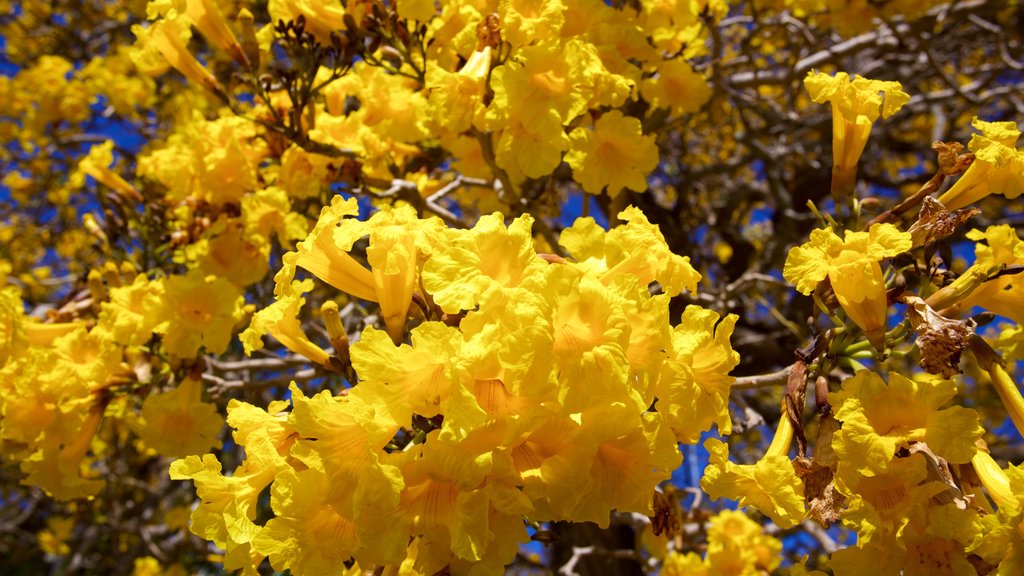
[
  {"x": 852, "y": 266},
  {"x": 128, "y": 315},
  {"x": 879, "y": 419},
  {"x": 281, "y": 320},
  {"x": 414, "y": 379},
  {"x": 456, "y": 99},
  {"x": 97, "y": 165},
  {"x": 636, "y": 248},
  {"x": 998, "y": 166},
  {"x": 614, "y": 155},
  {"x": 676, "y": 87},
  {"x": 170, "y": 38},
  {"x": 482, "y": 263},
  {"x": 693, "y": 388},
  {"x": 177, "y": 423},
  {"x": 197, "y": 312},
  {"x": 1003, "y": 295},
  {"x": 53, "y": 539},
  {"x": 771, "y": 485},
  {"x": 527, "y": 21},
  {"x": 856, "y": 104},
  {"x": 882, "y": 505},
  {"x": 738, "y": 545}
]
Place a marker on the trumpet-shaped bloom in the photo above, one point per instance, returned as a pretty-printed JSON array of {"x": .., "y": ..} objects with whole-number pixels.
[
  {"x": 458, "y": 508},
  {"x": 1005, "y": 294},
  {"x": 676, "y": 87},
  {"x": 127, "y": 315},
  {"x": 319, "y": 255},
  {"x": 308, "y": 535},
  {"x": 456, "y": 99},
  {"x": 197, "y": 312},
  {"x": 526, "y": 21},
  {"x": 482, "y": 263},
  {"x": 878, "y": 419},
  {"x": 591, "y": 335},
  {"x": 227, "y": 512},
  {"x": 637, "y": 248},
  {"x": 881, "y": 506},
  {"x": 771, "y": 485},
  {"x": 281, "y": 320},
  {"x": 614, "y": 155},
  {"x": 170, "y": 38},
  {"x": 693, "y": 390},
  {"x": 856, "y": 104},
  {"x": 414, "y": 379},
  {"x": 97, "y": 165},
  {"x": 195, "y": 424},
  {"x": 998, "y": 540},
  {"x": 852, "y": 266},
  {"x": 738, "y": 545},
  {"x": 344, "y": 437},
  {"x": 998, "y": 166},
  {"x": 399, "y": 243}
]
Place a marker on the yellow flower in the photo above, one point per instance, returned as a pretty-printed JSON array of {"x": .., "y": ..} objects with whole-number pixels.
[
  {"x": 998, "y": 540},
  {"x": 856, "y": 105},
  {"x": 97, "y": 165},
  {"x": 227, "y": 508},
  {"x": 879, "y": 419},
  {"x": 128, "y": 315},
  {"x": 13, "y": 339},
  {"x": 227, "y": 252},
  {"x": 466, "y": 516},
  {"x": 688, "y": 564},
  {"x": 178, "y": 423},
  {"x": 456, "y": 99},
  {"x": 852, "y": 266},
  {"x": 998, "y": 166},
  {"x": 526, "y": 21},
  {"x": 676, "y": 87},
  {"x": 170, "y": 38},
  {"x": 309, "y": 535},
  {"x": 615, "y": 154},
  {"x": 399, "y": 244},
  {"x": 268, "y": 212},
  {"x": 636, "y": 248},
  {"x": 53, "y": 539},
  {"x": 60, "y": 465},
  {"x": 322, "y": 16},
  {"x": 206, "y": 16},
  {"x": 482, "y": 263},
  {"x": 344, "y": 438},
  {"x": 531, "y": 149},
  {"x": 281, "y": 320},
  {"x": 771, "y": 485},
  {"x": 693, "y": 389},
  {"x": 882, "y": 505},
  {"x": 1005, "y": 294},
  {"x": 197, "y": 312},
  {"x": 738, "y": 545},
  {"x": 319, "y": 255},
  {"x": 409, "y": 379},
  {"x": 549, "y": 77}
]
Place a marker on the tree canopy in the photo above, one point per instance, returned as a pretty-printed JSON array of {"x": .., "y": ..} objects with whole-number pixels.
[{"x": 511, "y": 286}]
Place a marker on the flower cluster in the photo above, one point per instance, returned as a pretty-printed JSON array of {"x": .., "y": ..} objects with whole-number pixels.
[{"x": 524, "y": 390}]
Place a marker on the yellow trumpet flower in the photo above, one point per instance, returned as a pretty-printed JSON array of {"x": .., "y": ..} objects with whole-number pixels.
[
  {"x": 856, "y": 104},
  {"x": 998, "y": 166},
  {"x": 852, "y": 266}
]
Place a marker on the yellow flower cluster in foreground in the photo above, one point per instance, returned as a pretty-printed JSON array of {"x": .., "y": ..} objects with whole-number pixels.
[{"x": 533, "y": 398}]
